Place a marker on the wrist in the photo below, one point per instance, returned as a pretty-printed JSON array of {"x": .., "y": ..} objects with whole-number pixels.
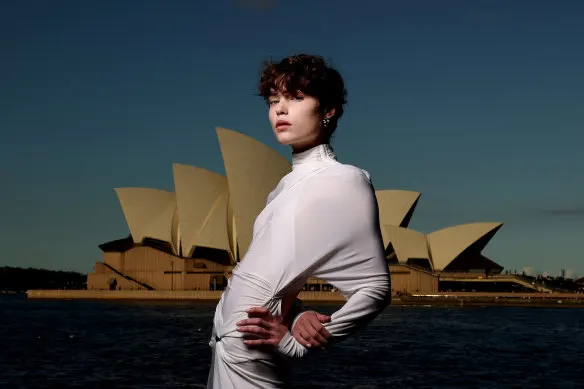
[{"x": 290, "y": 347}]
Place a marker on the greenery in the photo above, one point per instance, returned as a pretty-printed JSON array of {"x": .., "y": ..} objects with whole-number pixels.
[{"x": 19, "y": 280}]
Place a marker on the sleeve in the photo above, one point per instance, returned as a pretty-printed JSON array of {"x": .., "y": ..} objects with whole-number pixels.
[{"x": 337, "y": 239}]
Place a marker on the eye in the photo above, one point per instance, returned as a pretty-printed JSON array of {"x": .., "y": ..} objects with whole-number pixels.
[
  {"x": 298, "y": 96},
  {"x": 272, "y": 102}
]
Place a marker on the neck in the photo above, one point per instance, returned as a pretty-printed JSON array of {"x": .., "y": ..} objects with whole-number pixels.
[
  {"x": 301, "y": 149},
  {"x": 319, "y": 152}
]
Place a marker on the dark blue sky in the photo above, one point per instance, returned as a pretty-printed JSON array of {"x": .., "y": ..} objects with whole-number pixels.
[{"x": 477, "y": 104}]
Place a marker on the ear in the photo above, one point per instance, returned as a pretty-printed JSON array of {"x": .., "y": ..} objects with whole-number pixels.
[{"x": 329, "y": 113}]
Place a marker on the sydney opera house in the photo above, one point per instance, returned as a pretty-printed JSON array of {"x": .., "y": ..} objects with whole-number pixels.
[{"x": 191, "y": 238}]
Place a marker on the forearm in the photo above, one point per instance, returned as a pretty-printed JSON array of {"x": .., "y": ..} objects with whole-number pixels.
[
  {"x": 362, "y": 307},
  {"x": 289, "y": 346}
]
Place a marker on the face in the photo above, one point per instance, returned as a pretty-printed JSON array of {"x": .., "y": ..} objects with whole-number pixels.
[{"x": 296, "y": 120}]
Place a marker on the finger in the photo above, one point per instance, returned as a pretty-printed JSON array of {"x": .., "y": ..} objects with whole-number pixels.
[
  {"x": 316, "y": 329},
  {"x": 254, "y": 322},
  {"x": 254, "y": 333},
  {"x": 306, "y": 337},
  {"x": 300, "y": 338},
  {"x": 260, "y": 310},
  {"x": 324, "y": 332},
  {"x": 265, "y": 315},
  {"x": 321, "y": 330},
  {"x": 319, "y": 339},
  {"x": 315, "y": 338},
  {"x": 313, "y": 321},
  {"x": 261, "y": 342},
  {"x": 254, "y": 330},
  {"x": 323, "y": 318}
]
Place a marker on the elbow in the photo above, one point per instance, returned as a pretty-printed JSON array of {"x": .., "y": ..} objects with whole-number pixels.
[
  {"x": 387, "y": 298},
  {"x": 385, "y": 293},
  {"x": 380, "y": 290}
]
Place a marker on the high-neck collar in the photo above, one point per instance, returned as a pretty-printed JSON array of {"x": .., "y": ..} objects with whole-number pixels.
[{"x": 321, "y": 152}]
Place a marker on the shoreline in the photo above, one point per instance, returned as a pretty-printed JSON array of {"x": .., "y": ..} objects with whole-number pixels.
[{"x": 443, "y": 299}]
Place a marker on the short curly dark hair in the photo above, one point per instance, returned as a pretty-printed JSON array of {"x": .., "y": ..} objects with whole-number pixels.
[{"x": 309, "y": 74}]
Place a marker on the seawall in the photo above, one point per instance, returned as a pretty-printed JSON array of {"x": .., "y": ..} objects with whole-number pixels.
[
  {"x": 199, "y": 295},
  {"x": 560, "y": 300}
]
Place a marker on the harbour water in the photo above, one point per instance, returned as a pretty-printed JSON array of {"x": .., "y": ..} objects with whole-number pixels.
[{"x": 123, "y": 344}]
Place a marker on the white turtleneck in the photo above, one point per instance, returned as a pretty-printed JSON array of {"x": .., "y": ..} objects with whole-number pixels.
[{"x": 321, "y": 221}]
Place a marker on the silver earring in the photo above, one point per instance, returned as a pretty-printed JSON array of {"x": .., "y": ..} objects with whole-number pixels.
[{"x": 326, "y": 121}]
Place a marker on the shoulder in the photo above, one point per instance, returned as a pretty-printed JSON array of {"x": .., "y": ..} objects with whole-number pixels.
[
  {"x": 339, "y": 180},
  {"x": 345, "y": 173},
  {"x": 339, "y": 192}
]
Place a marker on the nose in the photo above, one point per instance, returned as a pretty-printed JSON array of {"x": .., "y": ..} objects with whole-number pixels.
[{"x": 281, "y": 107}]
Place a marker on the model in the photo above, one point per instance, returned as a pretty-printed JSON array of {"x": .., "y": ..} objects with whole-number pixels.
[{"x": 321, "y": 220}]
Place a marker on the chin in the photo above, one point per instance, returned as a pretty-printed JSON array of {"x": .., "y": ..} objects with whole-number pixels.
[{"x": 283, "y": 138}]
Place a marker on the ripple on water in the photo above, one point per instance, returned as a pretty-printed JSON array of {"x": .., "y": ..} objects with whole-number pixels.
[{"x": 80, "y": 344}]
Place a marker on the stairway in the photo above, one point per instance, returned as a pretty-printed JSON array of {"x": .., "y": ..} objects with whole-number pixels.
[{"x": 142, "y": 284}]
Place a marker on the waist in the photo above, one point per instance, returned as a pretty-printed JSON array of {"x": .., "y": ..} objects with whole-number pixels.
[{"x": 243, "y": 292}]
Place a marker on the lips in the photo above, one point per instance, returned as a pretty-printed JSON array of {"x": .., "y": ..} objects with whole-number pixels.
[{"x": 282, "y": 124}]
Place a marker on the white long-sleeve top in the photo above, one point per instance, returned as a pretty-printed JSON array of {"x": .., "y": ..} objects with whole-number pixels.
[{"x": 321, "y": 220}]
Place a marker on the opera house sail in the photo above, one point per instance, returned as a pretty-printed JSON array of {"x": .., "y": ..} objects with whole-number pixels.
[{"x": 191, "y": 238}]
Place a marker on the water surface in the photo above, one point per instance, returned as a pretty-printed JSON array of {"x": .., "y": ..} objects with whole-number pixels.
[{"x": 85, "y": 344}]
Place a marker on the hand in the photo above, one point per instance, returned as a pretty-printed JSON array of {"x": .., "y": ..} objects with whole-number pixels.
[
  {"x": 268, "y": 328},
  {"x": 309, "y": 331}
]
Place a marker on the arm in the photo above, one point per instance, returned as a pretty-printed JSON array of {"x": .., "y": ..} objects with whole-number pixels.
[
  {"x": 338, "y": 229},
  {"x": 275, "y": 331},
  {"x": 336, "y": 237}
]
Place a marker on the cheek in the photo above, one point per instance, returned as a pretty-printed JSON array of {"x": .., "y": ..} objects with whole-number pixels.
[
  {"x": 310, "y": 119},
  {"x": 272, "y": 117},
  {"x": 302, "y": 114}
]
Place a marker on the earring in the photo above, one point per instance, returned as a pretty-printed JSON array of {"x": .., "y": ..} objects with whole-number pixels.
[{"x": 326, "y": 121}]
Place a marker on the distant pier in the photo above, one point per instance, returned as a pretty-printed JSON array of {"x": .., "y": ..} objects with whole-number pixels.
[{"x": 560, "y": 300}]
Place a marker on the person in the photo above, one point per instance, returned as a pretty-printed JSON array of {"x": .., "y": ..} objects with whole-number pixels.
[{"x": 321, "y": 220}]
